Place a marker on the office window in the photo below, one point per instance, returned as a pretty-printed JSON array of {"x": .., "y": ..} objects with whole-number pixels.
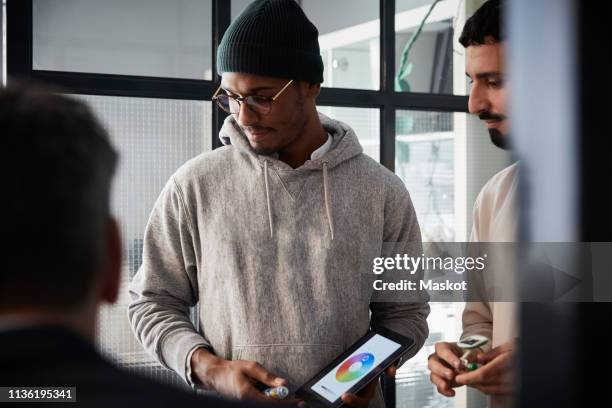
[
  {"x": 154, "y": 38},
  {"x": 428, "y": 56},
  {"x": 154, "y": 138},
  {"x": 365, "y": 122},
  {"x": 349, "y": 41},
  {"x": 424, "y": 160}
]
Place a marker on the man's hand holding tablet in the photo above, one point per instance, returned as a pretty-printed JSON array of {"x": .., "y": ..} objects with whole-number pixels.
[{"x": 351, "y": 378}]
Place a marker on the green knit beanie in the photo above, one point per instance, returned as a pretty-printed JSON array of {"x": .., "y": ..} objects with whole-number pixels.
[{"x": 272, "y": 38}]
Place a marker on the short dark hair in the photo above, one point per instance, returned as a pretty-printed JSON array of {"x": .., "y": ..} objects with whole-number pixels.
[
  {"x": 57, "y": 164},
  {"x": 483, "y": 27}
]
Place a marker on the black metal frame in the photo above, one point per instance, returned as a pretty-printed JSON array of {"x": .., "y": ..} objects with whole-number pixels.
[{"x": 387, "y": 100}]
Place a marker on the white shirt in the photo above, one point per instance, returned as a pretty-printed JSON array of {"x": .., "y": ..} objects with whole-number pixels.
[
  {"x": 495, "y": 220},
  {"x": 319, "y": 152}
]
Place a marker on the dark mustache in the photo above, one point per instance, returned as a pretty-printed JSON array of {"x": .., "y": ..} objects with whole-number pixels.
[
  {"x": 491, "y": 116},
  {"x": 256, "y": 129}
]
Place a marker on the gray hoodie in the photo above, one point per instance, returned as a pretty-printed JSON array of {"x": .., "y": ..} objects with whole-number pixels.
[{"x": 271, "y": 254}]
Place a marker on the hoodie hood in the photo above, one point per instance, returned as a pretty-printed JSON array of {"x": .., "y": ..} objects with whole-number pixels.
[{"x": 345, "y": 146}]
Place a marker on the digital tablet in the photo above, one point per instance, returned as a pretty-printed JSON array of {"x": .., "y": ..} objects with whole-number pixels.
[{"x": 352, "y": 370}]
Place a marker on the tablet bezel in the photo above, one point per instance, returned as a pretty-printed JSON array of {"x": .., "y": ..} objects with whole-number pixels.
[{"x": 306, "y": 393}]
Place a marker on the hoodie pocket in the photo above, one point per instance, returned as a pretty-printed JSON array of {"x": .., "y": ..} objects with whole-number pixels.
[{"x": 296, "y": 363}]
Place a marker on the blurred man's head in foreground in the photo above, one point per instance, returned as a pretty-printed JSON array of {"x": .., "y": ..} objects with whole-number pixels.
[{"x": 62, "y": 247}]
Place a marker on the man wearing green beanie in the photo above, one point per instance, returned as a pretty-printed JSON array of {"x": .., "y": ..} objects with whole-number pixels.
[{"x": 265, "y": 234}]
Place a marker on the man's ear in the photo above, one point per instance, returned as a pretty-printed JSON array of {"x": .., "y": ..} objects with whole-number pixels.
[
  {"x": 111, "y": 273},
  {"x": 313, "y": 90}
]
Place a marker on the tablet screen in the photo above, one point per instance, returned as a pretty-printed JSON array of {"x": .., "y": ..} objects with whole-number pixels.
[{"x": 346, "y": 374}]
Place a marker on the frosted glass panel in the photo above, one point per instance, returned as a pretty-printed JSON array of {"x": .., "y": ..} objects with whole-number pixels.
[
  {"x": 424, "y": 160},
  {"x": 154, "y": 138},
  {"x": 156, "y": 38}
]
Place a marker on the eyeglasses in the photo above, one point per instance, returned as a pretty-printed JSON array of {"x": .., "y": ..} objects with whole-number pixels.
[{"x": 257, "y": 104}]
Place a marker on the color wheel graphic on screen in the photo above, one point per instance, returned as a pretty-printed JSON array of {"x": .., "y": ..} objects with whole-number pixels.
[{"x": 354, "y": 367}]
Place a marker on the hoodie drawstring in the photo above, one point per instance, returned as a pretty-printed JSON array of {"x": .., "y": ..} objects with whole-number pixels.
[
  {"x": 326, "y": 196},
  {"x": 268, "y": 198}
]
